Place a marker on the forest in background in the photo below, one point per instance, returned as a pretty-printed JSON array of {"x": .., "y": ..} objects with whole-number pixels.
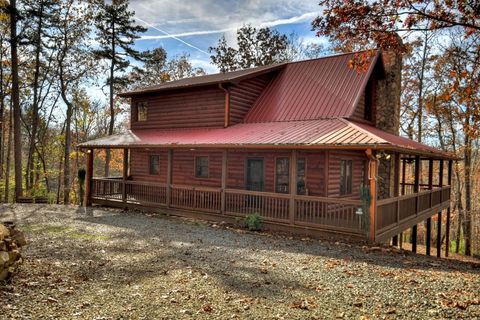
[{"x": 56, "y": 55}]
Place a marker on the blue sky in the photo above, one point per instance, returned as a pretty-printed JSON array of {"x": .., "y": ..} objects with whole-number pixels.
[{"x": 193, "y": 26}]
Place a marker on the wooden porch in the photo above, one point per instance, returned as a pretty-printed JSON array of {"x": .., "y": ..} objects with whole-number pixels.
[
  {"x": 323, "y": 214},
  {"x": 393, "y": 215},
  {"x": 382, "y": 220}
]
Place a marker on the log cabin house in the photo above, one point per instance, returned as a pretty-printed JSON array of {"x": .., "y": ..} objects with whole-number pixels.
[{"x": 312, "y": 146}]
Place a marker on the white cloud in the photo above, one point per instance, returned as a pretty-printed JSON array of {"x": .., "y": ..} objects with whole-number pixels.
[
  {"x": 309, "y": 16},
  {"x": 193, "y": 26}
]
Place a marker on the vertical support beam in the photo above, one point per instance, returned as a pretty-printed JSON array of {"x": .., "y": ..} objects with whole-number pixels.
[
  {"x": 428, "y": 238},
  {"x": 439, "y": 217},
  {"x": 396, "y": 190},
  {"x": 404, "y": 169},
  {"x": 88, "y": 179},
  {"x": 124, "y": 175},
  {"x": 447, "y": 227},
  {"x": 169, "y": 176},
  {"x": 292, "y": 185},
  {"x": 414, "y": 238},
  {"x": 372, "y": 176},
  {"x": 416, "y": 187},
  {"x": 224, "y": 180},
  {"x": 416, "y": 182},
  {"x": 439, "y": 234}
]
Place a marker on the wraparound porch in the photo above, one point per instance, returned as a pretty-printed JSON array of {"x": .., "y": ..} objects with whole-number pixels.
[{"x": 382, "y": 220}]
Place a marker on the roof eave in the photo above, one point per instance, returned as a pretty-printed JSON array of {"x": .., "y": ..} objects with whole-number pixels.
[{"x": 233, "y": 80}]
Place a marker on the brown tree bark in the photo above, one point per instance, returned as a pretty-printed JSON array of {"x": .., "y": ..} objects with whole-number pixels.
[
  {"x": 29, "y": 178},
  {"x": 467, "y": 222},
  {"x": 17, "y": 138},
  {"x": 112, "y": 105},
  {"x": 9, "y": 156}
]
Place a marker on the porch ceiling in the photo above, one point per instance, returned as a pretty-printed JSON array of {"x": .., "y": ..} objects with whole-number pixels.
[{"x": 337, "y": 133}]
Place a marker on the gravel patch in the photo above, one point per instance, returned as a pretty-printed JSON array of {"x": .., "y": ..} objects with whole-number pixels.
[{"x": 126, "y": 265}]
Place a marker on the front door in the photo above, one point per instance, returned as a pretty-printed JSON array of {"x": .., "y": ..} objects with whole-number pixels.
[{"x": 255, "y": 175}]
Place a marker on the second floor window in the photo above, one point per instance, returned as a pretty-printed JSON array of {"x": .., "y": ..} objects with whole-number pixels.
[
  {"x": 201, "y": 167},
  {"x": 154, "y": 165},
  {"x": 142, "y": 108},
  {"x": 345, "y": 177}
]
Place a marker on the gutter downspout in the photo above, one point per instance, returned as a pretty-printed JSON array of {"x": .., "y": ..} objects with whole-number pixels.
[{"x": 227, "y": 106}]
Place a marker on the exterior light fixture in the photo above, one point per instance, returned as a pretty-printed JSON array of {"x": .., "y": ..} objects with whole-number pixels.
[
  {"x": 359, "y": 211},
  {"x": 382, "y": 154}
]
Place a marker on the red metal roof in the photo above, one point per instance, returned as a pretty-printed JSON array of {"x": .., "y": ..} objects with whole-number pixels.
[
  {"x": 313, "y": 89},
  {"x": 209, "y": 79},
  {"x": 306, "y": 134}
]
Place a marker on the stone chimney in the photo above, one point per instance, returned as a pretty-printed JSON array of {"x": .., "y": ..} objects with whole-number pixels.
[
  {"x": 388, "y": 93},
  {"x": 388, "y": 115}
]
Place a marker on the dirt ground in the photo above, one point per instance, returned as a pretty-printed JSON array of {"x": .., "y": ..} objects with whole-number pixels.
[{"x": 112, "y": 264}]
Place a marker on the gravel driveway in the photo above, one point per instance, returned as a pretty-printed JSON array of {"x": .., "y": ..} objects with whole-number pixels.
[{"x": 127, "y": 265}]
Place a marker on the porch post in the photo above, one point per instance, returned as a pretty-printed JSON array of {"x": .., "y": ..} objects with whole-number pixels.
[
  {"x": 169, "y": 177},
  {"x": 224, "y": 180},
  {"x": 396, "y": 190},
  {"x": 404, "y": 169},
  {"x": 416, "y": 186},
  {"x": 372, "y": 176},
  {"x": 428, "y": 237},
  {"x": 293, "y": 185},
  {"x": 439, "y": 217},
  {"x": 88, "y": 179},
  {"x": 124, "y": 175},
  {"x": 447, "y": 227}
]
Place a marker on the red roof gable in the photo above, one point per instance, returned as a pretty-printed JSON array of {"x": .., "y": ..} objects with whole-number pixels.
[{"x": 313, "y": 89}]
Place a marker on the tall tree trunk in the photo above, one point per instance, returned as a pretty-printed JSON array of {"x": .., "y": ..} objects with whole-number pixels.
[
  {"x": 16, "y": 101},
  {"x": 112, "y": 106},
  {"x": 9, "y": 155},
  {"x": 467, "y": 222},
  {"x": 421, "y": 78},
  {"x": 2, "y": 115},
  {"x": 31, "y": 149},
  {"x": 66, "y": 160}
]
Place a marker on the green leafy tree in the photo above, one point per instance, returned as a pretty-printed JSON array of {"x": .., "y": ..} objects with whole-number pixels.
[
  {"x": 157, "y": 69},
  {"x": 116, "y": 33},
  {"x": 256, "y": 47}
]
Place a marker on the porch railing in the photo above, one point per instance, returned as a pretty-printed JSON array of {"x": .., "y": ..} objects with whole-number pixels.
[
  {"x": 199, "y": 198},
  {"x": 393, "y": 212},
  {"x": 316, "y": 212},
  {"x": 135, "y": 192},
  {"x": 335, "y": 214}
]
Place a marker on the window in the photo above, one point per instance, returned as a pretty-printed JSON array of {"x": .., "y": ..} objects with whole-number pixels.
[
  {"x": 281, "y": 175},
  {"x": 345, "y": 177},
  {"x": 142, "y": 111},
  {"x": 154, "y": 164},
  {"x": 201, "y": 167},
  {"x": 255, "y": 174},
  {"x": 301, "y": 186}
]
